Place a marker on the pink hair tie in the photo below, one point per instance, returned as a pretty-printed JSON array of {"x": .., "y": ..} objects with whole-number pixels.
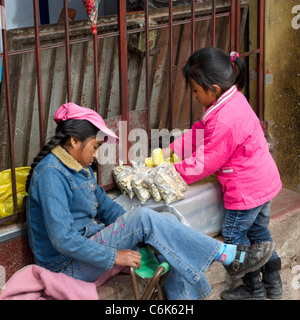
[{"x": 234, "y": 55}]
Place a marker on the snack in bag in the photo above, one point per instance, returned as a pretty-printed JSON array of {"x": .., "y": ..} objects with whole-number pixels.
[
  {"x": 123, "y": 176},
  {"x": 160, "y": 182},
  {"x": 140, "y": 189},
  {"x": 167, "y": 186},
  {"x": 149, "y": 182}
]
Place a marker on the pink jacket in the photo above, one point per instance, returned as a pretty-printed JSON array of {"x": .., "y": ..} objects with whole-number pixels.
[
  {"x": 234, "y": 147},
  {"x": 37, "y": 283}
]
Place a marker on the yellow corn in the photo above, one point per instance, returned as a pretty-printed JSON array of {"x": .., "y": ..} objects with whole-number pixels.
[{"x": 157, "y": 157}]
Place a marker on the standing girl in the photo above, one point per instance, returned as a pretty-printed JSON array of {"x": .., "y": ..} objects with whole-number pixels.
[
  {"x": 76, "y": 229},
  {"x": 235, "y": 149}
]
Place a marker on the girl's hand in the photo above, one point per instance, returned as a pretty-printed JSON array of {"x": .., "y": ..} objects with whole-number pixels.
[
  {"x": 167, "y": 152},
  {"x": 128, "y": 258}
]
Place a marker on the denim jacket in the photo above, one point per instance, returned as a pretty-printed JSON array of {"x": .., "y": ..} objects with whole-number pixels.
[{"x": 65, "y": 207}]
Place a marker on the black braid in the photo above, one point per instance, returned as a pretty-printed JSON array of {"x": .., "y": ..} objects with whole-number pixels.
[
  {"x": 54, "y": 141},
  {"x": 80, "y": 129}
]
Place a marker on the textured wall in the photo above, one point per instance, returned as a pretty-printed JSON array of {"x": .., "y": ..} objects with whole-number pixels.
[{"x": 282, "y": 86}]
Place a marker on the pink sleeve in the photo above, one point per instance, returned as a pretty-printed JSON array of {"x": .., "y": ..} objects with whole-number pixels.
[
  {"x": 187, "y": 143},
  {"x": 210, "y": 155}
]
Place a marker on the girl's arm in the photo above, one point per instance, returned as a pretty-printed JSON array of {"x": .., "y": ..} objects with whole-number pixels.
[
  {"x": 216, "y": 148},
  {"x": 185, "y": 145},
  {"x": 108, "y": 211}
]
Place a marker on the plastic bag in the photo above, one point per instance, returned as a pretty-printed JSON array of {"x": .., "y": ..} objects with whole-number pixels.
[
  {"x": 160, "y": 182},
  {"x": 140, "y": 189},
  {"x": 6, "y": 197},
  {"x": 176, "y": 177},
  {"x": 141, "y": 173},
  {"x": 149, "y": 182},
  {"x": 167, "y": 186},
  {"x": 123, "y": 176}
]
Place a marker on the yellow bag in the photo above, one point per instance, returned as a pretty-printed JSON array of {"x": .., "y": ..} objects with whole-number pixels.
[{"x": 6, "y": 198}]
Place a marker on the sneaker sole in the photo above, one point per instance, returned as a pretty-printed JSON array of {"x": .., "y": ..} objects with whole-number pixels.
[{"x": 257, "y": 266}]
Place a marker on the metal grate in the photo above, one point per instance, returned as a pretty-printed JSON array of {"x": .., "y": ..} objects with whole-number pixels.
[{"x": 129, "y": 71}]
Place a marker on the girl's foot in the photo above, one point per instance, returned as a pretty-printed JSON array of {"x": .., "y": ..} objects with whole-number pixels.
[{"x": 249, "y": 258}]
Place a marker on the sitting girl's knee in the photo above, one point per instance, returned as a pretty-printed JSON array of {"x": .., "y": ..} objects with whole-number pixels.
[{"x": 142, "y": 212}]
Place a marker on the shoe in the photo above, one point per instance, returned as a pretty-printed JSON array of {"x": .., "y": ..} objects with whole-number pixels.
[
  {"x": 252, "y": 289},
  {"x": 271, "y": 278},
  {"x": 255, "y": 257}
]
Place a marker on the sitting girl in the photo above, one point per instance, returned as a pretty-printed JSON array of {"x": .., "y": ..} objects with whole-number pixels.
[{"x": 76, "y": 229}]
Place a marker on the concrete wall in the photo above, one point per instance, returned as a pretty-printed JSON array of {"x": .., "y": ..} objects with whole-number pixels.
[{"x": 282, "y": 86}]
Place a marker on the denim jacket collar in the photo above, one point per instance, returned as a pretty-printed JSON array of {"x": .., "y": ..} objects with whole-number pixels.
[{"x": 67, "y": 159}]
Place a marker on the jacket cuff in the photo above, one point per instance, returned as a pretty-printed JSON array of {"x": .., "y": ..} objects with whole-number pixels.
[{"x": 112, "y": 259}]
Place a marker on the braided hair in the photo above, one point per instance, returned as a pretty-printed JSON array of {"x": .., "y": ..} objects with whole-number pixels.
[{"x": 79, "y": 129}]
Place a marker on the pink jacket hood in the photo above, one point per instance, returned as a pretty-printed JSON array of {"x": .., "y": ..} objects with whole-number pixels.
[{"x": 230, "y": 142}]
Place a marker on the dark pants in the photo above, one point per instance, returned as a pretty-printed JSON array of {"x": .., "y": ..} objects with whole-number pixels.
[{"x": 248, "y": 226}]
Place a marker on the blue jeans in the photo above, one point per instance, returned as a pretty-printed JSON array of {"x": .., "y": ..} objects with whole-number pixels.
[
  {"x": 248, "y": 226},
  {"x": 189, "y": 252}
]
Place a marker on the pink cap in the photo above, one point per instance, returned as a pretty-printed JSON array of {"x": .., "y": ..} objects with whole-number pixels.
[{"x": 71, "y": 110}]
